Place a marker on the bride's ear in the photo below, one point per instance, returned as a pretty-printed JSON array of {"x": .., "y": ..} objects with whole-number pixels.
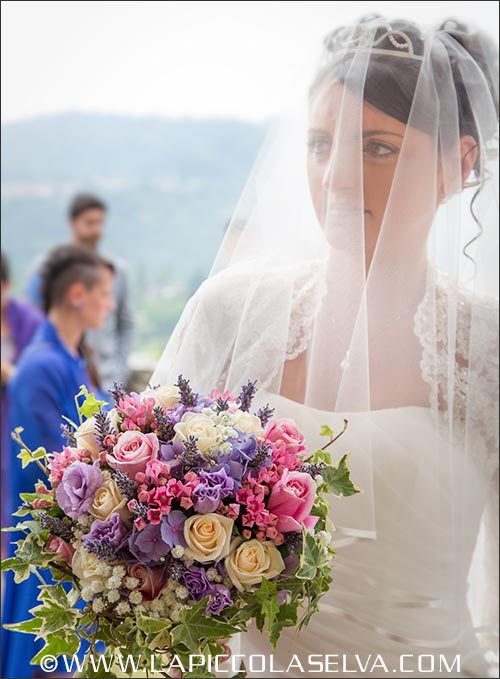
[{"x": 468, "y": 153}]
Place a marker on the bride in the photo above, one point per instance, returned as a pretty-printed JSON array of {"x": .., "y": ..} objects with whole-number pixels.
[{"x": 358, "y": 280}]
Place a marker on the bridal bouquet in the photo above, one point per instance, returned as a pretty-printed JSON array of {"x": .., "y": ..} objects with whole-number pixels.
[{"x": 172, "y": 521}]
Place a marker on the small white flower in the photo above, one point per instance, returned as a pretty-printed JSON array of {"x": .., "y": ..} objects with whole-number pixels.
[
  {"x": 113, "y": 582},
  {"x": 86, "y": 594},
  {"x": 175, "y": 615},
  {"x": 78, "y": 534},
  {"x": 181, "y": 592},
  {"x": 169, "y": 599},
  {"x": 123, "y": 608},
  {"x": 177, "y": 552},
  {"x": 98, "y": 605},
  {"x": 119, "y": 571},
  {"x": 227, "y": 581},
  {"x": 130, "y": 583},
  {"x": 140, "y": 608},
  {"x": 96, "y": 586},
  {"x": 113, "y": 596},
  {"x": 212, "y": 574},
  {"x": 106, "y": 474},
  {"x": 135, "y": 598}
]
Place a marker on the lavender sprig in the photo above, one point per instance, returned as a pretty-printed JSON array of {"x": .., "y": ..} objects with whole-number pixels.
[
  {"x": 313, "y": 470},
  {"x": 177, "y": 570},
  {"x": 69, "y": 434},
  {"x": 263, "y": 452},
  {"x": 265, "y": 414},
  {"x": 164, "y": 428},
  {"x": 102, "y": 428},
  {"x": 246, "y": 395},
  {"x": 103, "y": 551},
  {"x": 293, "y": 540},
  {"x": 187, "y": 396},
  {"x": 139, "y": 509},
  {"x": 117, "y": 392},
  {"x": 222, "y": 405},
  {"x": 53, "y": 524},
  {"x": 190, "y": 456},
  {"x": 126, "y": 485}
]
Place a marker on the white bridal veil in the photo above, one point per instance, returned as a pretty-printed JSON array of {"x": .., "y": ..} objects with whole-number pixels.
[{"x": 360, "y": 274}]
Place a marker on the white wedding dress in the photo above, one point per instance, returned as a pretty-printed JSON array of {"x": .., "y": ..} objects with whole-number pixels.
[{"x": 389, "y": 597}]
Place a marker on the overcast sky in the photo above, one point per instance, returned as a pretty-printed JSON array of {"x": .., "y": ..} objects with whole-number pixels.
[{"x": 237, "y": 59}]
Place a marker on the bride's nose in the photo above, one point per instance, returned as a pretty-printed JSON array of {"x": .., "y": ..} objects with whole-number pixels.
[{"x": 342, "y": 174}]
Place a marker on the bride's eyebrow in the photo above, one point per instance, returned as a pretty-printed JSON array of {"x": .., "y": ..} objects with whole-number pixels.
[
  {"x": 370, "y": 133},
  {"x": 318, "y": 130}
]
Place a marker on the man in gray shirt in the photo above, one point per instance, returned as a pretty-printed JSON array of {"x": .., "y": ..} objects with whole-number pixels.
[{"x": 111, "y": 343}]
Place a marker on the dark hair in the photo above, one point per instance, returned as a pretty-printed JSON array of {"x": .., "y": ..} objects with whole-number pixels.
[
  {"x": 83, "y": 202},
  {"x": 390, "y": 84},
  {"x": 63, "y": 267},
  {"x": 66, "y": 265},
  {"x": 5, "y": 269}
]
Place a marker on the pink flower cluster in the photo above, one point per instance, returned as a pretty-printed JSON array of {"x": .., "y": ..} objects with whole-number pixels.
[
  {"x": 138, "y": 413},
  {"x": 60, "y": 461}
]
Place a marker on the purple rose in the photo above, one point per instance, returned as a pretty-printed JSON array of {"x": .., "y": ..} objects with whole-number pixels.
[
  {"x": 195, "y": 580},
  {"x": 79, "y": 483},
  {"x": 147, "y": 545},
  {"x": 112, "y": 532},
  {"x": 219, "y": 479},
  {"x": 177, "y": 413},
  {"x": 172, "y": 528},
  {"x": 206, "y": 499},
  {"x": 169, "y": 453},
  {"x": 220, "y": 598}
]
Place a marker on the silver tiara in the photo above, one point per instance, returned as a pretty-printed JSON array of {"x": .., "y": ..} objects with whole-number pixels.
[{"x": 403, "y": 46}]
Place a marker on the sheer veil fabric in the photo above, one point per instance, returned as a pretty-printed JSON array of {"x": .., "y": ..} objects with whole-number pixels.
[{"x": 358, "y": 279}]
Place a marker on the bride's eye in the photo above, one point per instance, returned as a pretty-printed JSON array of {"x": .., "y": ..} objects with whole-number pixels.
[
  {"x": 319, "y": 146},
  {"x": 379, "y": 149}
]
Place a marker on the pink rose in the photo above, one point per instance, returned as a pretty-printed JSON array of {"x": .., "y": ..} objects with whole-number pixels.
[
  {"x": 288, "y": 442},
  {"x": 151, "y": 580},
  {"x": 64, "y": 550},
  {"x": 291, "y": 500},
  {"x": 132, "y": 452}
]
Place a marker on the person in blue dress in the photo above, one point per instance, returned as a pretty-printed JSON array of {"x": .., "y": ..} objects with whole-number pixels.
[{"x": 77, "y": 294}]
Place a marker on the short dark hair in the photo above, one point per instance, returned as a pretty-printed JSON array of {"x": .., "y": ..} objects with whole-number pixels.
[
  {"x": 5, "y": 269},
  {"x": 83, "y": 202},
  {"x": 66, "y": 265}
]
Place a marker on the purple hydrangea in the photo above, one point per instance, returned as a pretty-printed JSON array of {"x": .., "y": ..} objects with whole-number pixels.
[
  {"x": 112, "y": 532},
  {"x": 172, "y": 528},
  {"x": 79, "y": 483},
  {"x": 220, "y": 598},
  {"x": 195, "y": 580},
  {"x": 147, "y": 545},
  {"x": 216, "y": 486},
  {"x": 169, "y": 453}
]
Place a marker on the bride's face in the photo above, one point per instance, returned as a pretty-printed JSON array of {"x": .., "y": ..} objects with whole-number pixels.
[{"x": 346, "y": 192}]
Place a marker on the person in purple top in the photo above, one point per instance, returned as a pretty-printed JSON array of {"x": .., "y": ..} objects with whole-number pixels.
[{"x": 20, "y": 320}]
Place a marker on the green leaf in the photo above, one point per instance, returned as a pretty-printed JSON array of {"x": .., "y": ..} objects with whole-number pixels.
[
  {"x": 31, "y": 626},
  {"x": 337, "y": 479},
  {"x": 196, "y": 628},
  {"x": 21, "y": 569},
  {"x": 32, "y": 552},
  {"x": 58, "y": 645},
  {"x": 55, "y": 617},
  {"x": 326, "y": 431},
  {"x": 90, "y": 404},
  {"x": 148, "y": 624},
  {"x": 287, "y": 617},
  {"x": 311, "y": 559},
  {"x": 267, "y": 594},
  {"x": 27, "y": 456},
  {"x": 321, "y": 456}
]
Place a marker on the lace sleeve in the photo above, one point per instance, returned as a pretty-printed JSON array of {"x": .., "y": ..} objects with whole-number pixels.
[
  {"x": 305, "y": 300},
  {"x": 474, "y": 395}
]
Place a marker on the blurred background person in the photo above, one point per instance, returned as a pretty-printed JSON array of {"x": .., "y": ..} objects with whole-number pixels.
[
  {"x": 112, "y": 342},
  {"x": 76, "y": 286},
  {"x": 20, "y": 319}
]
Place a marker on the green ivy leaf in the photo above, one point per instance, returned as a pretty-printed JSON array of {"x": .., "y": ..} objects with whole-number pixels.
[
  {"x": 55, "y": 617},
  {"x": 147, "y": 624},
  {"x": 21, "y": 569},
  {"x": 287, "y": 617},
  {"x": 90, "y": 404},
  {"x": 57, "y": 645},
  {"x": 267, "y": 594},
  {"x": 311, "y": 559},
  {"x": 31, "y": 626},
  {"x": 195, "y": 628},
  {"x": 337, "y": 479},
  {"x": 326, "y": 431},
  {"x": 27, "y": 457}
]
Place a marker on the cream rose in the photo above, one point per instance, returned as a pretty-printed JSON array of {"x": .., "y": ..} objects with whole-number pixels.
[
  {"x": 107, "y": 500},
  {"x": 167, "y": 396},
  {"x": 114, "y": 418},
  {"x": 85, "y": 438},
  {"x": 247, "y": 423},
  {"x": 208, "y": 537},
  {"x": 201, "y": 427},
  {"x": 85, "y": 564},
  {"x": 251, "y": 560}
]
